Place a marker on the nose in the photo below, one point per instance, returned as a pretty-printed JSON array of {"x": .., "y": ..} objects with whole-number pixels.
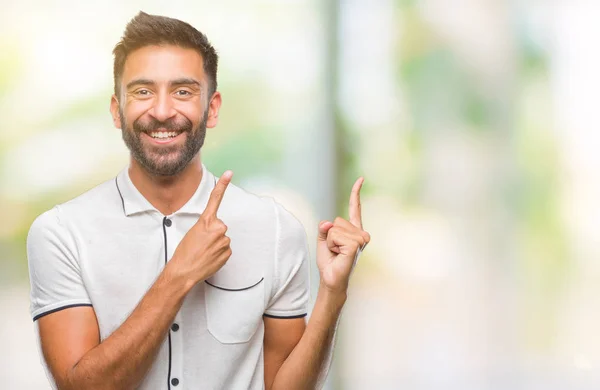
[{"x": 163, "y": 107}]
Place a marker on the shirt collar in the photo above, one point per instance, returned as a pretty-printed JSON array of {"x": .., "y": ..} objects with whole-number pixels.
[{"x": 134, "y": 202}]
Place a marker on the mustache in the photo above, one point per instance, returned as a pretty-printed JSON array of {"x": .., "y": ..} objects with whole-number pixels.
[{"x": 169, "y": 125}]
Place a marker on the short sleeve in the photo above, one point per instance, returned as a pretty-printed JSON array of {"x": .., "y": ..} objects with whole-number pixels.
[
  {"x": 291, "y": 282},
  {"x": 54, "y": 271}
]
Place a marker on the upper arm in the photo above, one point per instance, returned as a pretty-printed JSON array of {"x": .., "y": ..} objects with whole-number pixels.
[
  {"x": 65, "y": 337},
  {"x": 284, "y": 316},
  {"x": 54, "y": 269},
  {"x": 281, "y": 336},
  {"x": 290, "y": 291},
  {"x": 60, "y": 306}
]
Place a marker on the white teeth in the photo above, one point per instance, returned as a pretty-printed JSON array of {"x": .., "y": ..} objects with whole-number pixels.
[{"x": 163, "y": 134}]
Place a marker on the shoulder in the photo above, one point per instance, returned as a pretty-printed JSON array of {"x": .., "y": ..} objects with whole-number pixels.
[
  {"x": 260, "y": 215},
  {"x": 265, "y": 209},
  {"x": 288, "y": 225},
  {"x": 239, "y": 203},
  {"x": 103, "y": 198},
  {"x": 48, "y": 238},
  {"x": 44, "y": 224}
]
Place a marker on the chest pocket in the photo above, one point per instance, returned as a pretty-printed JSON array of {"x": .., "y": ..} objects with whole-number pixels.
[{"x": 234, "y": 312}]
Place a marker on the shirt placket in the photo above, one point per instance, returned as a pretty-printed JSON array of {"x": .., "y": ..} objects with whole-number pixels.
[{"x": 175, "y": 381}]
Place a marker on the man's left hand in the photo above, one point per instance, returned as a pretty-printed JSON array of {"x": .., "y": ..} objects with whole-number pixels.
[{"x": 339, "y": 245}]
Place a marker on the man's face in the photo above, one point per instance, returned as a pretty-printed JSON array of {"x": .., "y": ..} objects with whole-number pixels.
[{"x": 163, "y": 108}]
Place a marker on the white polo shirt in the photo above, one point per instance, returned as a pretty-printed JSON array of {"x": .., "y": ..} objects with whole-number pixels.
[{"x": 106, "y": 248}]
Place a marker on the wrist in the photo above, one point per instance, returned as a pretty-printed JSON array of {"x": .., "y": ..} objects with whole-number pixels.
[
  {"x": 334, "y": 298},
  {"x": 176, "y": 277}
]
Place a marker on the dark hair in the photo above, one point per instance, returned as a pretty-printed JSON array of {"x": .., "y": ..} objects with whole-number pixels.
[{"x": 145, "y": 30}]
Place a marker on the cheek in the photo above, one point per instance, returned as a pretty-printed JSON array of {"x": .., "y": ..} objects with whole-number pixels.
[
  {"x": 133, "y": 111},
  {"x": 194, "y": 115}
]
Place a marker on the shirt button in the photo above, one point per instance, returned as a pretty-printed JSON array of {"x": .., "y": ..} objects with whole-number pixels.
[
  {"x": 175, "y": 327},
  {"x": 174, "y": 381},
  {"x": 168, "y": 222}
]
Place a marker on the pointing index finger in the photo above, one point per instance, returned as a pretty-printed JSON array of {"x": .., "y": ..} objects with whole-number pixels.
[
  {"x": 355, "y": 208},
  {"x": 216, "y": 195}
]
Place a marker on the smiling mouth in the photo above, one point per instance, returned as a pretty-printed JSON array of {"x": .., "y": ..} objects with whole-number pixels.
[{"x": 163, "y": 134}]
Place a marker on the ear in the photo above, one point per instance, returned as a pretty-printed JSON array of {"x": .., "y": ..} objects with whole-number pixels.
[
  {"x": 114, "y": 111},
  {"x": 213, "y": 110}
]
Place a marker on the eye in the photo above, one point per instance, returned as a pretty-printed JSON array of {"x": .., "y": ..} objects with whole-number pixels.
[
  {"x": 182, "y": 92},
  {"x": 142, "y": 92}
]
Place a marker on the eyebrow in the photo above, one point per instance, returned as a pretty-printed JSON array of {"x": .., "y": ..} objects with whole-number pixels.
[{"x": 176, "y": 82}]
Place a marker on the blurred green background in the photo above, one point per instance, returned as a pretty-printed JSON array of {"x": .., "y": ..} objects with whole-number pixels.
[{"x": 472, "y": 122}]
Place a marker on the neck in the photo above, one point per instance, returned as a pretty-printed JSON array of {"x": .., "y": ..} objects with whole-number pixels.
[{"x": 167, "y": 193}]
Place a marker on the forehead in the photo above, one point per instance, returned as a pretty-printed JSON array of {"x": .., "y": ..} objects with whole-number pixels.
[{"x": 163, "y": 63}]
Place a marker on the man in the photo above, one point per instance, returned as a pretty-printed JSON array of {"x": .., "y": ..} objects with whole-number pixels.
[{"x": 166, "y": 277}]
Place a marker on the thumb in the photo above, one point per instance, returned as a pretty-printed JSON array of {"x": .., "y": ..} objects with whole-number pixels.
[{"x": 324, "y": 227}]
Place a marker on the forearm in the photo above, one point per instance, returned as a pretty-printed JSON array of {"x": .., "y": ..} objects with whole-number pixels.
[
  {"x": 122, "y": 360},
  {"x": 307, "y": 365}
]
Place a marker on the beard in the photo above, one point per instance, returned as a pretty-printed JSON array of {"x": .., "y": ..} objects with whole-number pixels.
[{"x": 165, "y": 160}]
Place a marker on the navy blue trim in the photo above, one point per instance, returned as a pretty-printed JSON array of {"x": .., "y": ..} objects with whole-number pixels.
[
  {"x": 59, "y": 309},
  {"x": 234, "y": 289},
  {"x": 284, "y": 317},
  {"x": 169, "y": 333},
  {"x": 169, "y": 373},
  {"x": 121, "y": 195}
]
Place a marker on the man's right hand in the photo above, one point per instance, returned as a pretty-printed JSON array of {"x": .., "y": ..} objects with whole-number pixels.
[{"x": 205, "y": 248}]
